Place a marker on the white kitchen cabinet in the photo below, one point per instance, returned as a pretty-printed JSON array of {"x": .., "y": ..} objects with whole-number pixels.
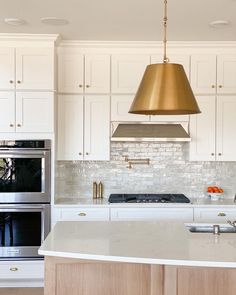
[
  {"x": 163, "y": 214},
  {"x": 214, "y": 214},
  {"x": 120, "y": 105},
  {"x": 80, "y": 214},
  {"x": 34, "y": 111},
  {"x": 26, "y": 112},
  {"x": 213, "y": 131},
  {"x": 211, "y": 74},
  {"x": 97, "y": 128},
  {"x": 7, "y": 111},
  {"x": 203, "y": 130},
  {"x": 225, "y": 128},
  {"x": 27, "y": 68},
  {"x": 127, "y": 72},
  {"x": 83, "y": 127},
  {"x": 21, "y": 273},
  {"x": 78, "y": 73},
  {"x": 70, "y": 127},
  {"x": 7, "y": 68}
]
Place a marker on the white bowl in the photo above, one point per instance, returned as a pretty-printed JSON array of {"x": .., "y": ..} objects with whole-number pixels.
[{"x": 215, "y": 196}]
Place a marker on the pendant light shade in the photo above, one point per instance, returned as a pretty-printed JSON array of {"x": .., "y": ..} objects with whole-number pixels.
[{"x": 164, "y": 90}]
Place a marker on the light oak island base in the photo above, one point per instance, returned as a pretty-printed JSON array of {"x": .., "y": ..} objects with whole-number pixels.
[{"x": 83, "y": 277}]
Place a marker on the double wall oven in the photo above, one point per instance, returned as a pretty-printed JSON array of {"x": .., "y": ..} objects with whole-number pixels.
[{"x": 25, "y": 193}]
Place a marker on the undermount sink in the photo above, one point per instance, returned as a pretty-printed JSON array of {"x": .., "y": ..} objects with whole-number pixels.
[{"x": 209, "y": 228}]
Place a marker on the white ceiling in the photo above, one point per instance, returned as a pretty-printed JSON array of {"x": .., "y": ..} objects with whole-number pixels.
[{"x": 122, "y": 20}]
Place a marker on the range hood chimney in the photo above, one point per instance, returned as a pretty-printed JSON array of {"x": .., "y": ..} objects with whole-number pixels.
[{"x": 152, "y": 132}]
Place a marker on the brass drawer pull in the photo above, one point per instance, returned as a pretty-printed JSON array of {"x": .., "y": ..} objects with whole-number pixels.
[
  {"x": 13, "y": 269},
  {"x": 222, "y": 214},
  {"x": 82, "y": 214}
]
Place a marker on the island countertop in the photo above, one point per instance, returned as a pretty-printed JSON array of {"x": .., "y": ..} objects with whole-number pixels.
[{"x": 165, "y": 243}]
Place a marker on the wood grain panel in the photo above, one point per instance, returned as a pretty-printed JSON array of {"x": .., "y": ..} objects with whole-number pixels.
[
  {"x": 206, "y": 281},
  {"x": 81, "y": 277}
]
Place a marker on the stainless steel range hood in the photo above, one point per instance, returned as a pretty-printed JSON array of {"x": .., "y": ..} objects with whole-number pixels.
[{"x": 150, "y": 132}]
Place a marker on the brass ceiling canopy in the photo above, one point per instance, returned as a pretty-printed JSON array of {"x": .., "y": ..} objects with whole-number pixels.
[{"x": 164, "y": 89}]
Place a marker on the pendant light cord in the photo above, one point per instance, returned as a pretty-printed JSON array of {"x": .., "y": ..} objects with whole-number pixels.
[{"x": 165, "y": 59}]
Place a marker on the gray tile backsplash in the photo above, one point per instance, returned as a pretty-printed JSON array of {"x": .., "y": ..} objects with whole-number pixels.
[{"x": 169, "y": 171}]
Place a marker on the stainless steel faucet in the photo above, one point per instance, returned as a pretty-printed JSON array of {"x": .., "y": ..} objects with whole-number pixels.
[
  {"x": 232, "y": 223},
  {"x": 216, "y": 229}
]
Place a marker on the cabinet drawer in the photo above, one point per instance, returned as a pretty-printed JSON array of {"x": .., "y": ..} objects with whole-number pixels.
[
  {"x": 210, "y": 214},
  {"x": 81, "y": 214},
  {"x": 21, "y": 270},
  {"x": 164, "y": 214}
]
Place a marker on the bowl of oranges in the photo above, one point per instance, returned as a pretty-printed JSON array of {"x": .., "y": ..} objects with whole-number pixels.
[{"x": 215, "y": 192}]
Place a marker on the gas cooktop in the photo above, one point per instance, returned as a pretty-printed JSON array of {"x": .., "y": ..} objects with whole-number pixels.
[{"x": 148, "y": 198}]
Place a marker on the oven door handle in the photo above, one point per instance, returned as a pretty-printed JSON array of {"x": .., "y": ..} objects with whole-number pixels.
[{"x": 35, "y": 154}]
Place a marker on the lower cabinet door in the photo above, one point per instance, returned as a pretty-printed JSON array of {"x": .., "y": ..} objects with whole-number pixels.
[
  {"x": 164, "y": 214},
  {"x": 34, "y": 111},
  {"x": 214, "y": 215},
  {"x": 80, "y": 214},
  {"x": 21, "y": 273}
]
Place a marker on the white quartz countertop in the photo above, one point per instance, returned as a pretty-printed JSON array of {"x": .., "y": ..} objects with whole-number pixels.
[
  {"x": 168, "y": 243},
  {"x": 103, "y": 203}
]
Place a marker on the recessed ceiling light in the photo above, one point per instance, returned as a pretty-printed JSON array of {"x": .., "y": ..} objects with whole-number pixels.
[
  {"x": 219, "y": 23},
  {"x": 54, "y": 21},
  {"x": 14, "y": 21}
]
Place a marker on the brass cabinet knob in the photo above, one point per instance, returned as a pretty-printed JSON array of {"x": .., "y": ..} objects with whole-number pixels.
[
  {"x": 212, "y": 86},
  {"x": 82, "y": 214},
  {"x": 13, "y": 269},
  {"x": 212, "y": 154},
  {"x": 18, "y": 81},
  {"x": 18, "y": 125},
  {"x": 11, "y": 81},
  {"x": 221, "y": 214},
  {"x": 220, "y": 86},
  {"x": 219, "y": 154},
  {"x": 87, "y": 86},
  {"x": 80, "y": 85}
]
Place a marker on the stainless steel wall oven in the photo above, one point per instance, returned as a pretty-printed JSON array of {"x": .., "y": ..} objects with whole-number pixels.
[
  {"x": 22, "y": 229},
  {"x": 25, "y": 171},
  {"x": 25, "y": 195}
]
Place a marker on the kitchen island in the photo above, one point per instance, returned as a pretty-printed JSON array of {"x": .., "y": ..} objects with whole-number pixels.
[{"x": 141, "y": 258}]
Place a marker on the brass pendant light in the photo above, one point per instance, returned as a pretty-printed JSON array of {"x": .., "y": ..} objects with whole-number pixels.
[{"x": 164, "y": 89}]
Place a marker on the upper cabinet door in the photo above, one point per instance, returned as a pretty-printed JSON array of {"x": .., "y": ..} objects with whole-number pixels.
[
  {"x": 7, "y": 68},
  {"x": 70, "y": 127},
  {"x": 127, "y": 72},
  {"x": 7, "y": 111},
  {"x": 203, "y": 74},
  {"x": 226, "y": 122},
  {"x": 34, "y": 111},
  {"x": 35, "y": 68},
  {"x": 70, "y": 73},
  {"x": 202, "y": 131},
  {"x": 181, "y": 59},
  {"x": 226, "y": 74},
  {"x": 120, "y": 105},
  {"x": 97, "y": 128},
  {"x": 97, "y": 73}
]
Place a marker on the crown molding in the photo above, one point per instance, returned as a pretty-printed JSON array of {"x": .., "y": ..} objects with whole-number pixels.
[
  {"x": 145, "y": 44},
  {"x": 30, "y": 37}
]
